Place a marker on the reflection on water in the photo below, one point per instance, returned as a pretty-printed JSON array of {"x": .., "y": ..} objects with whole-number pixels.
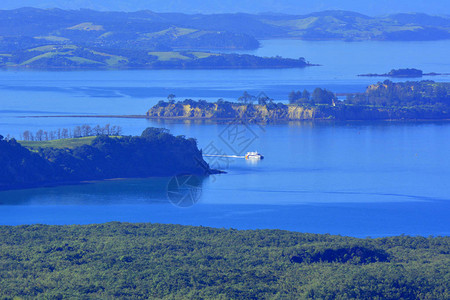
[{"x": 110, "y": 192}]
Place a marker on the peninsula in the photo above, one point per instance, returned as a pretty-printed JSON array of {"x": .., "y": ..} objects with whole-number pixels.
[
  {"x": 156, "y": 153},
  {"x": 424, "y": 100},
  {"x": 72, "y": 57}
]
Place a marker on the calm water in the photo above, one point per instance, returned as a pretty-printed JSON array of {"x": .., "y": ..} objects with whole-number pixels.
[{"x": 358, "y": 178}]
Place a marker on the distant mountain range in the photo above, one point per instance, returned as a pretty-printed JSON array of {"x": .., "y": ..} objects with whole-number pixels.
[
  {"x": 147, "y": 28},
  {"x": 26, "y": 32},
  {"x": 369, "y": 7}
]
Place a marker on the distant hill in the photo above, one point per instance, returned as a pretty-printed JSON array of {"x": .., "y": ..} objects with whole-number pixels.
[
  {"x": 147, "y": 29},
  {"x": 141, "y": 30},
  {"x": 69, "y": 57},
  {"x": 370, "y": 7},
  {"x": 85, "y": 38}
]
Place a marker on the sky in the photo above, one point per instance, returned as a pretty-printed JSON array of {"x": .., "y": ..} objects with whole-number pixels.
[{"x": 368, "y": 7}]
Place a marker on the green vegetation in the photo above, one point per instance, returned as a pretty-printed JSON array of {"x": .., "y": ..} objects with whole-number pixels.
[
  {"x": 155, "y": 153},
  {"x": 350, "y": 26},
  {"x": 400, "y": 73},
  {"x": 141, "y": 261},
  {"x": 75, "y": 57},
  {"x": 319, "y": 96},
  {"x": 59, "y": 144},
  {"x": 404, "y": 73},
  {"x": 36, "y": 38},
  {"x": 164, "y": 56},
  {"x": 405, "y": 94},
  {"x": 425, "y": 100}
]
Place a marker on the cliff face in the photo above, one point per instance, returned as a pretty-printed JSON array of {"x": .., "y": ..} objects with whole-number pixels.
[
  {"x": 225, "y": 110},
  {"x": 281, "y": 112}
]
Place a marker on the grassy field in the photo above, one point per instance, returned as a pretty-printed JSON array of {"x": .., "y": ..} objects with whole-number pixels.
[
  {"x": 82, "y": 60},
  {"x": 169, "y": 55},
  {"x": 165, "y": 56},
  {"x": 173, "y": 31},
  {"x": 48, "y": 48},
  {"x": 112, "y": 59},
  {"x": 63, "y": 143},
  {"x": 204, "y": 54}
]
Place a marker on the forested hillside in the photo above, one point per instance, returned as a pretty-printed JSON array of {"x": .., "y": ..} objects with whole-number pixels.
[
  {"x": 155, "y": 153},
  {"x": 141, "y": 261}
]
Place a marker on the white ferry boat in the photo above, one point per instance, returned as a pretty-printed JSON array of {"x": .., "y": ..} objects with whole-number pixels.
[{"x": 254, "y": 155}]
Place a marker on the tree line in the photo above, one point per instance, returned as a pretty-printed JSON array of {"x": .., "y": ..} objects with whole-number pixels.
[
  {"x": 318, "y": 96},
  {"x": 410, "y": 93},
  {"x": 68, "y": 133}
]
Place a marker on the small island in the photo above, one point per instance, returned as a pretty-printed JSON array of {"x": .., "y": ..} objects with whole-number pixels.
[
  {"x": 424, "y": 100},
  {"x": 404, "y": 73},
  {"x": 156, "y": 153}
]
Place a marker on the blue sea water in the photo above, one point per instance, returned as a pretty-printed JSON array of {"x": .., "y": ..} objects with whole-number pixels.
[{"x": 353, "y": 178}]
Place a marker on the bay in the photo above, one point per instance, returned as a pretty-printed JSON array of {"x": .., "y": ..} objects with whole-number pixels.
[{"x": 353, "y": 178}]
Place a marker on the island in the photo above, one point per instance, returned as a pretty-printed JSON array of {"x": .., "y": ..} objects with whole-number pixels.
[
  {"x": 404, "y": 73},
  {"x": 156, "y": 153},
  {"x": 422, "y": 100}
]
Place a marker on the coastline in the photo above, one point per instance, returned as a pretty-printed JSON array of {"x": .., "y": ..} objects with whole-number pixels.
[
  {"x": 84, "y": 182},
  {"x": 219, "y": 120}
]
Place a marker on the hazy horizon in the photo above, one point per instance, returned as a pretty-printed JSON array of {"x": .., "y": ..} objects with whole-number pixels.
[{"x": 367, "y": 7}]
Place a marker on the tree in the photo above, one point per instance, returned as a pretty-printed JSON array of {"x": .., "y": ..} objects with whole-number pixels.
[
  {"x": 323, "y": 96},
  {"x": 293, "y": 97},
  {"x": 86, "y": 130},
  {"x": 246, "y": 98},
  {"x": 39, "y": 135},
  {"x": 98, "y": 130},
  {"x": 65, "y": 133},
  {"x": 107, "y": 129},
  {"x": 171, "y": 97},
  {"x": 306, "y": 95},
  {"x": 77, "y": 132},
  {"x": 263, "y": 99},
  {"x": 26, "y": 135}
]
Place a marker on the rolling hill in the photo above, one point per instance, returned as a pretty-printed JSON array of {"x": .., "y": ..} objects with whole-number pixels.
[{"x": 39, "y": 38}]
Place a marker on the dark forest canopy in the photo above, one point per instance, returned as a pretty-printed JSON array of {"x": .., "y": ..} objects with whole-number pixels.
[
  {"x": 141, "y": 261},
  {"x": 155, "y": 153}
]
